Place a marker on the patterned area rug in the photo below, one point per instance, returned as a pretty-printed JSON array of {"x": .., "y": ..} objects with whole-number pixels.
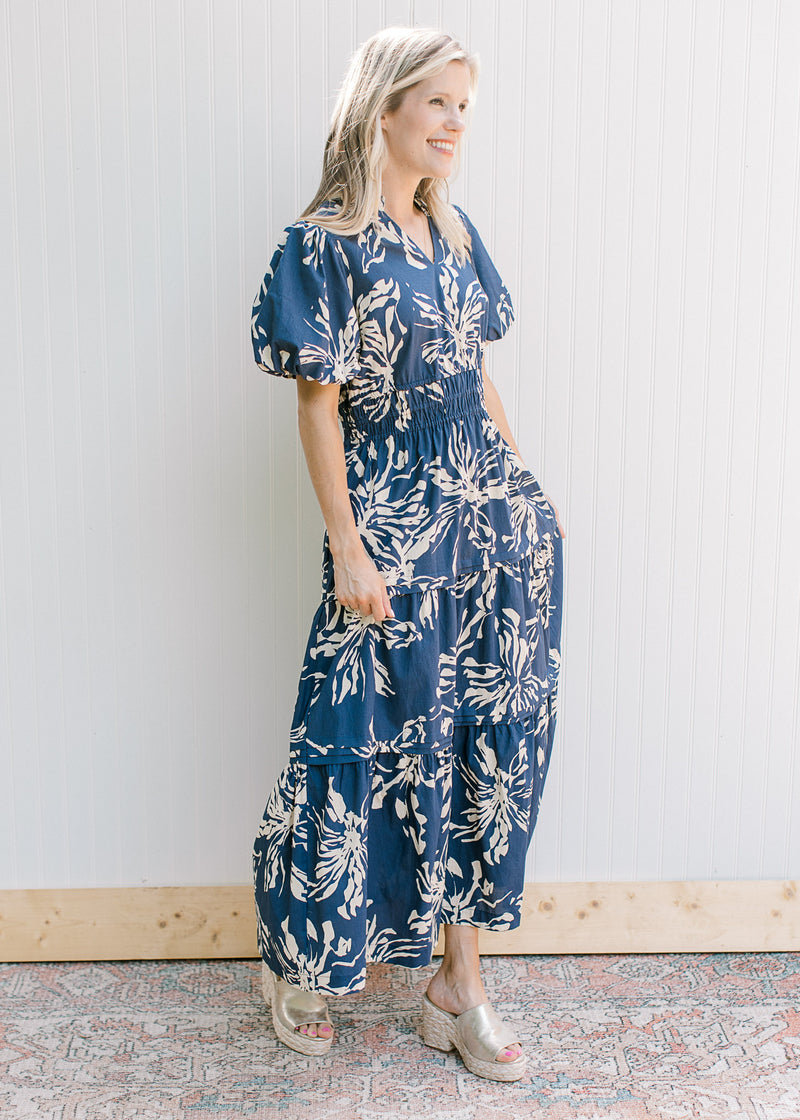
[{"x": 608, "y": 1038}]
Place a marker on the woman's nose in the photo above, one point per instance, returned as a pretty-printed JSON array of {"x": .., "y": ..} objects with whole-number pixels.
[{"x": 456, "y": 124}]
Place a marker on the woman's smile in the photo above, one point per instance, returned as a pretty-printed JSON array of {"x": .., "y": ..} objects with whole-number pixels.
[{"x": 421, "y": 135}]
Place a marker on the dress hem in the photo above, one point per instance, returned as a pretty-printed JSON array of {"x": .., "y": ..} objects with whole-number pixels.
[{"x": 401, "y": 959}]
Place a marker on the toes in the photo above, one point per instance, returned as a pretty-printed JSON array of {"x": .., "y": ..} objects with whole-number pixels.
[
  {"x": 509, "y": 1054},
  {"x": 314, "y": 1030}
]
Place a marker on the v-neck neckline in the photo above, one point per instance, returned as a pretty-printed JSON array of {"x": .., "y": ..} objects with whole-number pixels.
[{"x": 407, "y": 236}]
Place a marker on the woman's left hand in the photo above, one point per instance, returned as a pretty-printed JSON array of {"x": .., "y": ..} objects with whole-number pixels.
[{"x": 552, "y": 505}]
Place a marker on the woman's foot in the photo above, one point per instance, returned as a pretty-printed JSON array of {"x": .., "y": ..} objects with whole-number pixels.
[
  {"x": 297, "y": 1012},
  {"x": 457, "y": 985},
  {"x": 319, "y": 1029},
  {"x": 455, "y": 996}
]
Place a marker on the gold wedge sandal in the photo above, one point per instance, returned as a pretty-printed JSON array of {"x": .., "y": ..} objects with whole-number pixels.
[
  {"x": 479, "y": 1034},
  {"x": 292, "y": 1007}
]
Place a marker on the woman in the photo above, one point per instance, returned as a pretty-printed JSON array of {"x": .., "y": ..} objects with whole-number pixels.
[{"x": 425, "y": 712}]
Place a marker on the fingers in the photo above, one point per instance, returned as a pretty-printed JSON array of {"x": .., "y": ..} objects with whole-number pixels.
[{"x": 377, "y": 606}]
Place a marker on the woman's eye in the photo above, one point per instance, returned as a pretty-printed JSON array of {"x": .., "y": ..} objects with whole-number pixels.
[{"x": 462, "y": 108}]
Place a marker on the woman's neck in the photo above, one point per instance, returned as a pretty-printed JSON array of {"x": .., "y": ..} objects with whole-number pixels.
[{"x": 398, "y": 199}]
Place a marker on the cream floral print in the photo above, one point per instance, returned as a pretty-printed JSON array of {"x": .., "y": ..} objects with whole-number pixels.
[{"x": 420, "y": 745}]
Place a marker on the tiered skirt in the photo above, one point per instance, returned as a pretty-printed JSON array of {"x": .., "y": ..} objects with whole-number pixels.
[{"x": 419, "y": 752}]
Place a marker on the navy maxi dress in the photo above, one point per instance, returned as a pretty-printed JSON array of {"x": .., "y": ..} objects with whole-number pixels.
[{"x": 420, "y": 745}]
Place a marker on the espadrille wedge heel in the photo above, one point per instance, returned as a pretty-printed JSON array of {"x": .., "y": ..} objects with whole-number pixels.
[
  {"x": 479, "y": 1034},
  {"x": 291, "y": 1008}
]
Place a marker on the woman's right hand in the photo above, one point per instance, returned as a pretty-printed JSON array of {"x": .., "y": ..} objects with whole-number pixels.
[
  {"x": 359, "y": 585},
  {"x": 357, "y": 582}
]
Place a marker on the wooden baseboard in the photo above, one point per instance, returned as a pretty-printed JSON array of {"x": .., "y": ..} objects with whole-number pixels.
[{"x": 173, "y": 923}]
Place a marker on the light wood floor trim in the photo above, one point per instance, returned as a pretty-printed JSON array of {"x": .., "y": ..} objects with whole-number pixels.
[{"x": 157, "y": 923}]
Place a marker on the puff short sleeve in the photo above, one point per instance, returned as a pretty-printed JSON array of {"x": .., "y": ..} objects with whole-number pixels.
[
  {"x": 304, "y": 321},
  {"x": 500, "y": 313}
]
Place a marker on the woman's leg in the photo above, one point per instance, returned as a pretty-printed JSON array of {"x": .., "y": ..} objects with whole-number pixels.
[{"x": 457, "y": 985}]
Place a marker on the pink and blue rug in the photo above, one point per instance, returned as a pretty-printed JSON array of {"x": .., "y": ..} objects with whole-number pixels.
[{"x": 670, "y": 1036}]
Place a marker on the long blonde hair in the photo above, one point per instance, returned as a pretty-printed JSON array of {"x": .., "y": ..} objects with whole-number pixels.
[{"x": 380, "y": 73}]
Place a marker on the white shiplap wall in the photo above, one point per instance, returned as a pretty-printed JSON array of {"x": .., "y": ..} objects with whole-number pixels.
[{"x": 634, "y": 168}]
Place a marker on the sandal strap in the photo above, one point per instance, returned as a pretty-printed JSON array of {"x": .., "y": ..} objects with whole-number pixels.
[
  {"x": 301, "y": 1007},
  {"x": 484, "y": 1032}
]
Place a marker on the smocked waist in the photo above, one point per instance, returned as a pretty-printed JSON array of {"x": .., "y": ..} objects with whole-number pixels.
[{"x": 418, "y": 406}]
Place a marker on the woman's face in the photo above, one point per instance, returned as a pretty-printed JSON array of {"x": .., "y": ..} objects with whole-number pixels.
[{"x": 421, "y": 135}]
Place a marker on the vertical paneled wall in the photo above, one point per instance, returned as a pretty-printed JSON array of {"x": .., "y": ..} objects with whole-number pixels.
[{"x": 634, "y": 169}]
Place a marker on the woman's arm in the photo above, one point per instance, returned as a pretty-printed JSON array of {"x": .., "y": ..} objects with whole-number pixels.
[
  {"x": 358, "y": 583},
  {"x": 494, "y": 406}
]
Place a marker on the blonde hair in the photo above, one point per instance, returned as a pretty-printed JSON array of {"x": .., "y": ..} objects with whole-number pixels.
[{"x": 380, "y": 73}]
